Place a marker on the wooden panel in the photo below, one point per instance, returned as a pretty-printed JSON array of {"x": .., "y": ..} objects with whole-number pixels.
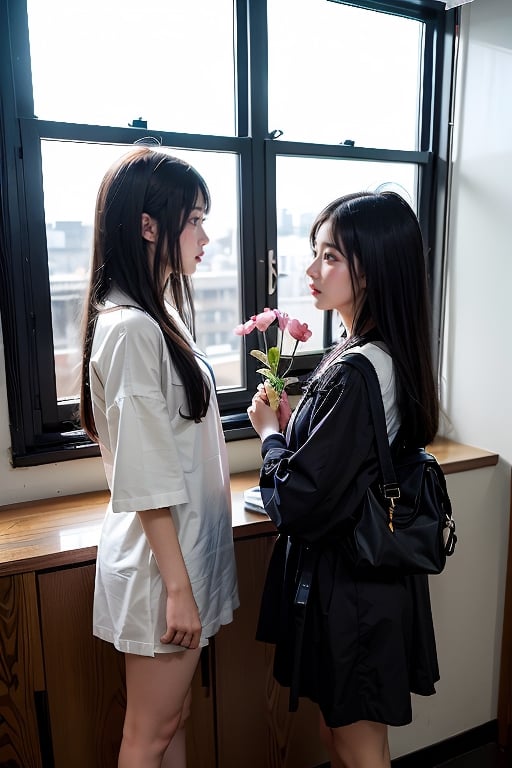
[
  {"x": 21, "y": 672},
  {"x": 86, "y": 689},
  {"x": 200, "y": 725},
  {"x": 64, "y": 530},
  {"x": 51, "y": 532},
  {"x": 254, "y": 726},
  {"x": 84, "y": 676},
  {"x": 455, "y": 457}
]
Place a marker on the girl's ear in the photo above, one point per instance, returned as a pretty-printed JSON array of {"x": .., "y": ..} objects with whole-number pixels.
[{"x": 149, "y": 228}]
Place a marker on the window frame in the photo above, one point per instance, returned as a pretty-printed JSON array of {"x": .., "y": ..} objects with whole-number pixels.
[{"x": 37, "y": 422}]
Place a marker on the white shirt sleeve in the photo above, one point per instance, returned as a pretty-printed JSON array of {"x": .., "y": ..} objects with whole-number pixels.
[
  {"x": 146, "y": 469},
  {"x": 146, "y": 472}
]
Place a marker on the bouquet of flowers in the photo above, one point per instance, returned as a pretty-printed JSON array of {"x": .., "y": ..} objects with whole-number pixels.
[{"x": 275, "y": 381}]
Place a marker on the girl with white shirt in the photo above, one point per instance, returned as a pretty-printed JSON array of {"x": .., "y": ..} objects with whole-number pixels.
[{"x": 165, "y": 571}]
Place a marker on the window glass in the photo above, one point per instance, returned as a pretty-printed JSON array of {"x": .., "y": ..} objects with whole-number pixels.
[
  {"x": 72, "y": 172},
  {"x": 339, "y": 73},
  {"x": 304, "y": 186},
  {"x": 104, "y": 62},
  {"x": 336, "y": 74}
]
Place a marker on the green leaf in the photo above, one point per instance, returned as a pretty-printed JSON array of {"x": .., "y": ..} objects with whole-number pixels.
[
  {"x": 273, "y": 355},
  {"x": 277, "y": 382},
  {"x": 265, "y": 372},
  {"x": 259, "y": 355}
]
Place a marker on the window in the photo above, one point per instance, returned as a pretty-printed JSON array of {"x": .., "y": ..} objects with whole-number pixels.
[
  {"x": 280, "y": 105},
  {"x": 72, "y": 172}
]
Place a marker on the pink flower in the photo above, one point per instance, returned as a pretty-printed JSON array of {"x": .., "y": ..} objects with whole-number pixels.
[
  {"x": 275, "y": 379},
  {"x": 264, "y": 319},
  {"x": 298, "y": 330},
  {"x": 282, "y": 318},
  {"x": 245, "y": 328}
]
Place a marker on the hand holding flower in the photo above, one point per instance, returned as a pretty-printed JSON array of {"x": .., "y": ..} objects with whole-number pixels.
[
  {"x": 264, "y": 419},
  {"x": 275, "y": 381},
  {"x": 284, "y": 411}
]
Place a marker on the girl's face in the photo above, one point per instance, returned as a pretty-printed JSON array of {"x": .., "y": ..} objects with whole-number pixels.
[
  {"x": 193, "y": 238},
  {"x": 329, "y": 278}
]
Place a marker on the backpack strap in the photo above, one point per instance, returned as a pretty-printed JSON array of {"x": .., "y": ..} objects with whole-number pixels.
[{"x": 389, "y": 486}]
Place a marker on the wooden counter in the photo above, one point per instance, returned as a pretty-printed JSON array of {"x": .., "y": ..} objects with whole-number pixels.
[
  {"x": 62, "y": 690},
  {"x": 65, "y": 530}
]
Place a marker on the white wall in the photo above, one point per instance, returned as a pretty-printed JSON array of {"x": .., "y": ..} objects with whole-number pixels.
[
  {"x": 468, "y": 598},
  {"x": 478, "y": 387},
  {"x": 467, "y": 606}
]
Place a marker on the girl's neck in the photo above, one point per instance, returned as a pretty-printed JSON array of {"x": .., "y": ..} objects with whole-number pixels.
[{"x": 344, "y": 344}]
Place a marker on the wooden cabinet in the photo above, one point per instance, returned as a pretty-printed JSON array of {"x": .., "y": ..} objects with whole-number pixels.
[
  {"x": 21, "y": 674},
  {"x": 201, "y": 751},
  {"x": 85, "y": 680},
  {"x": 62, "y": 692},
  {"x": 254, "y": 727},
  {"x": 84, "y": 676}
]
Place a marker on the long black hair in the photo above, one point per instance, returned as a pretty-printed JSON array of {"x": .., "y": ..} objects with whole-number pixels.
[
  {"x": 381, "y": 231},
  {"x": 167, "y": 189}
]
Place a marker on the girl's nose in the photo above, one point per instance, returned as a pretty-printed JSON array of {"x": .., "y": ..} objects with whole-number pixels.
[{"x": 313, "y": 268}]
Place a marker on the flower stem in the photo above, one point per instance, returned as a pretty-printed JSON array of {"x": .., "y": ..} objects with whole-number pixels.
[
  {"x": 265, "y": 341},
  {"x": 292, "y": 358}
]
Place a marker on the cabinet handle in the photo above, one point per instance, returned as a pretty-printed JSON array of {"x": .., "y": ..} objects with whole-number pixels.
[
  {"x": 44, "y": 728},
  {"x": 204, "y": 661}
]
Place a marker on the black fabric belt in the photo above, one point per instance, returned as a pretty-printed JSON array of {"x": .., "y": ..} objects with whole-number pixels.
[{"x": 305, "y": 579}]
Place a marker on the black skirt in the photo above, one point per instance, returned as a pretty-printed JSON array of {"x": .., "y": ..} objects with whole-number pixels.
[{"x": 356, "y": 646}]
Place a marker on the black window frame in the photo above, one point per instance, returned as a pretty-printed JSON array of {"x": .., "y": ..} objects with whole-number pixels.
[{"x": 43, "y": 430}]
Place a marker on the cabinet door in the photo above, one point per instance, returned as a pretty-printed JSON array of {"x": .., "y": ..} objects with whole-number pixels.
[
  {"x": 200, "y": 725},
  {"x": 84, "y": 676},
  {"x": 85, "y": 681},
  {"x": 21, "y": 672},
  {"x": 254, "y": 727}
]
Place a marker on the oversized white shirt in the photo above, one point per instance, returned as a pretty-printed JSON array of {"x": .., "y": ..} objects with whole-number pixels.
[{"x": 155, "y": 458}]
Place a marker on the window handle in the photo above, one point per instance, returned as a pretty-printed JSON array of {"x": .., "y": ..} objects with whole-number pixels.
[{"x": 272, "y": 271}]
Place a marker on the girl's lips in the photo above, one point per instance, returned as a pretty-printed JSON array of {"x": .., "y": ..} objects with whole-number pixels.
[{"x": 314, "y": 290}]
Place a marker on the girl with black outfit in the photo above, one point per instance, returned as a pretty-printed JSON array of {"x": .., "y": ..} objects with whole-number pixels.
[{"x": 357, "y": 645}]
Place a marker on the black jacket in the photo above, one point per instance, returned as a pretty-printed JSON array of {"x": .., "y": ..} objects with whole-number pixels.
[{"x": 356, "y": 645}]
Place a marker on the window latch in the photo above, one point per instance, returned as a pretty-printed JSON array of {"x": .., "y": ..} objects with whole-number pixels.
[{"x": 271, "y": 271}]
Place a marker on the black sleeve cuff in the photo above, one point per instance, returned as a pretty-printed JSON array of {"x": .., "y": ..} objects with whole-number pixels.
[{"x": 277, "y": 440}]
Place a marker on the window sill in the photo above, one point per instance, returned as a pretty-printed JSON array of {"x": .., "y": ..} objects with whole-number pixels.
[{"x": 76, "y": 445}]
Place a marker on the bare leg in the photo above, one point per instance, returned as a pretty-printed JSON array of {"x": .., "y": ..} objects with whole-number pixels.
[
  {"x": 176, "y": 753},
  {"x": 328, "y": 741},
  {"x": 156, "y": 692},
  {"x": 360, "y": 745}
]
